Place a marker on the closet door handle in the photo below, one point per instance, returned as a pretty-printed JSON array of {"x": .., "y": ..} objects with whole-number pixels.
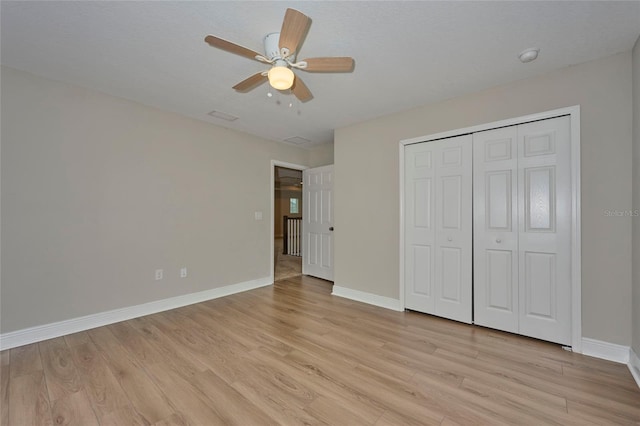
[{"x": 498, "y": 240}]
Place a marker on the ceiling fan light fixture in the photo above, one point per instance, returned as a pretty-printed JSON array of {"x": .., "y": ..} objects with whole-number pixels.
[{"x": 280, "y": 77}]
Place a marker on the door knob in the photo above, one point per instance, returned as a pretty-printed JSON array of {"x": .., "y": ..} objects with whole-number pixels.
[
  {"x": 449, "y": 239},
  {"x": 498, "y": 240},
  {"x": 331, "y": 228}
]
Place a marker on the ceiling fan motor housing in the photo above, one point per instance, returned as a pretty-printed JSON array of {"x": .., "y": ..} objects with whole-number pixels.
[{"x": 272, "y": 48}]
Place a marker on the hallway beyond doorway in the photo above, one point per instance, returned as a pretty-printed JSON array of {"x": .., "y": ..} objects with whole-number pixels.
[{"x": 285, "y": 266}]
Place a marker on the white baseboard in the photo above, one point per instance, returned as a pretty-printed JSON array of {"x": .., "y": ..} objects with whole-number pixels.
[
  {"x": 605, "y": 350},
  {"x": 634, "y": 366},
  {"x": 74, "y": 325},
  {"x": 371, "y": 299}
]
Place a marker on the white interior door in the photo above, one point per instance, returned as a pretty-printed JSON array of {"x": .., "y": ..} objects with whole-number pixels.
[
  {"x": 495, "y": 229},
  {"x": 419, "y": 233},
  {"x": 522, "y": 229},
  {"x": 438, "y": 231},
  {"x": 544, "y": 210},
  {"x": 317, "y": 222}
]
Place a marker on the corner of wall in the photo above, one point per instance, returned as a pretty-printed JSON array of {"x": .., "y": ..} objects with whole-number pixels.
[{"x": 634, "y": 365}]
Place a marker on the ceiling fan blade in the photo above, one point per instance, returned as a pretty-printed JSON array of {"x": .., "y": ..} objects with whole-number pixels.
[
  {"x": 231, "y": 47},
  {"x": 301, "y": 91},
  {"x": 250, "y": 83},
  {"x": 336, "y": 64},
  {"x": 294, "y": 28}
]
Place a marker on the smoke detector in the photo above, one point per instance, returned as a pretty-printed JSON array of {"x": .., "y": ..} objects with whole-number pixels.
[{"x": 528, "y": 55}]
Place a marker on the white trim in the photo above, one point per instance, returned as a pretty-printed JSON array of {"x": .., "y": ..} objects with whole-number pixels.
[
  {"x": 576, "y": 253},
  {"x": 494, "y": 125},
  {"x": 401, "y": 233},
  {"x": 74, "y": 325},
  {"x": 369, "y": 298},
  {"x": 634, "y": 366},
  {"x": 274, "y": 164},
  {"x": 605, "y": 350},
  {"x": 576, "y": 233}
]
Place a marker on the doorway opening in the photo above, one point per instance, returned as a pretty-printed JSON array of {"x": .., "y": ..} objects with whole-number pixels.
[{"x": 287, "y": 221}]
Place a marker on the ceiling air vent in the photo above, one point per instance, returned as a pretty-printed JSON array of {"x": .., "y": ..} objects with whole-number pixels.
[
  {"x": 298, "y": 140},
  {"x": 223, "y": 116}
]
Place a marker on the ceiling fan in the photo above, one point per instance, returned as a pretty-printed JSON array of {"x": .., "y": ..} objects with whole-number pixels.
[{"x": 280, "y": 52}]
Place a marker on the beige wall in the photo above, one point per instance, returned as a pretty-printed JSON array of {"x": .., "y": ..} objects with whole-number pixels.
[
  {"x": 636, "y": 197},
  {"x": 321, "y": 155},
  {"x": 367, "y": 189},
  {"x": 98, "y": 192}
]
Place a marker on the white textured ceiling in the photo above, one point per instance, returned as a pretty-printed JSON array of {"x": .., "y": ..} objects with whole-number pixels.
[{"x": 406, "y": 53}]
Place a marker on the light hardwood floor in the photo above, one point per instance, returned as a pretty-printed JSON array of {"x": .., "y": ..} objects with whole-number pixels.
[
  {"x": 285, "y": 266},
  {"x": 294, "y": 354}
]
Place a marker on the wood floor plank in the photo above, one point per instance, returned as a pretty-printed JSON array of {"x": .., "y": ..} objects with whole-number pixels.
[
  {"x": 381, "y": 391},
  {"x": 596, "y": 414},
  {"x": 275, "y": 405},
  {"x": 537, "y": 411},
  {"x": 327, "y": 385},
  {"x": 76, "y": 339},
  {"x": 195, "y": 406},
  {"x": 292, "y": 353},
  {"x": 25, "y": 360},
  {"x": 558, "y": 385},
  {"x": 29, "y": 400},
  {"x": 103, "y": 390},
  {"x": 135, "y": 343},
  {"x": 173, "y": 420},
  {"x": 222, "y": 361},
  {"x": 174, "y": 355},
  {"x": 603, "y": 378},
  {"x": 331, "y": 412},
  {"x": 73, "y": 409},
  {"x": 233, "y": 407},
  {"x": 60, "y": 371},
  {"x": 150, "y": 403},
  {"x": 122, "y": 416},
  {"x": 4, "y": 387}
]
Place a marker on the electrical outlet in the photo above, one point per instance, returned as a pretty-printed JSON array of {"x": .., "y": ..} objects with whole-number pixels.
[
  {"x": 183, "y": 272},
  {"x": 158, "y": 274}
]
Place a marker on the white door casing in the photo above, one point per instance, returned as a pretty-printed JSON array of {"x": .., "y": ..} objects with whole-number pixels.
[
  {"x": 438, "y": 228},
  {"x": 317, "y": 222}
]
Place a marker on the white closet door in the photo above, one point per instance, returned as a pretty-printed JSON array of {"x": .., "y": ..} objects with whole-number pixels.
[
  {"x": 438, "y": 228},
  {"x": 419, "y": 212},
  {"x": 495, "y": 228},
  {"x": 544, "y": 210},
  {"x": 453, "y": 258},
  {"x": 522, "y": 229}
]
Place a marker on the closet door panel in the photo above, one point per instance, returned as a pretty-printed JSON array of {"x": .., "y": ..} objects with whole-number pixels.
[
  {"x": 545, "y": 229},
  {"x": 453, "y": 255},
  {"x": 495, "y": 244},
  {"x": 419, "y": 227},
  {"x": 438, "y": 228}
]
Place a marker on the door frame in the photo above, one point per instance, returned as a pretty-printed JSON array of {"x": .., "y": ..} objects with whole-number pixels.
[
  {"x": 274, "y": 164},
  {"x": 576, "y": 253}
]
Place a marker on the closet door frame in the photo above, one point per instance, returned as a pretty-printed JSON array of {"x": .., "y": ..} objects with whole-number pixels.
[{"x": 576, "y": 255}]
